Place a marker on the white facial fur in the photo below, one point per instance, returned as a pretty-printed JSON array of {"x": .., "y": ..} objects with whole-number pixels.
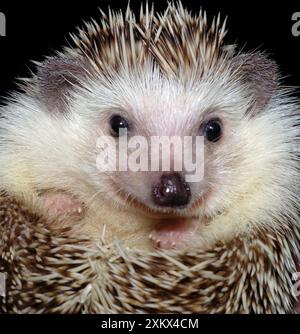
[{"x": 251, "y": 174}]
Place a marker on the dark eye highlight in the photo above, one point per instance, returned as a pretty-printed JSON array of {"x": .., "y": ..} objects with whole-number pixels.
[
  {"x": 118, "y": 123},
  {"x": 213, "y": 130}
]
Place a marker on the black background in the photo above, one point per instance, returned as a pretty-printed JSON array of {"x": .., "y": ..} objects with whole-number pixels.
[{"x": 34, "y": 29}]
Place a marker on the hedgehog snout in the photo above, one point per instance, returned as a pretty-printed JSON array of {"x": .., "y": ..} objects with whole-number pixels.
[{"x": 171, "y": 191}]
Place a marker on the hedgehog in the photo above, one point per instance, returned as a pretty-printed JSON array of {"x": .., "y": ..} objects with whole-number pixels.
[{"x": 160, "y": 75}]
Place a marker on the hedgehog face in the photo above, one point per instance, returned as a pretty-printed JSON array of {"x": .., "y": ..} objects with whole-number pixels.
[
  {"x": 134, "y": 115},
  {"x": 165, "y": 109},
  {"x": 154, "y": 130}
]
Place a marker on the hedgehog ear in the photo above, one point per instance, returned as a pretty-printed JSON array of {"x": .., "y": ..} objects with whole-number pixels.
[
  {"x": 260, "y": 75},
  {"x": 57, "y": 77}
]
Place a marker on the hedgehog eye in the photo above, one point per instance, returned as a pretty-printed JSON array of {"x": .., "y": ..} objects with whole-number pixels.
[
  {"x": 118, "y": 123},
  {"x": 213, "y": 130}
]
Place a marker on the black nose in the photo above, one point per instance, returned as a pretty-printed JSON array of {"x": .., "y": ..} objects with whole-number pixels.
[{"x": 172, "y": 190}]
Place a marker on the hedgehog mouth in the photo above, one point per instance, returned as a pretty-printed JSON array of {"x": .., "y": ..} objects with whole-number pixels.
[
  {"x": 160, "y": 213},
  {"x": 172, "y": 228},
  {"x": 173, "y": 233}
]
